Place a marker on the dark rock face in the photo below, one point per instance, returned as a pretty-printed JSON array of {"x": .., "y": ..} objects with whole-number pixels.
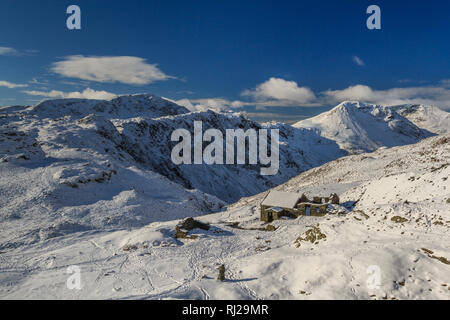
[
  {"x": 183, "y": 228},
  {"x": 221, "y": 276},
  {"x": 190, "y": 224}
]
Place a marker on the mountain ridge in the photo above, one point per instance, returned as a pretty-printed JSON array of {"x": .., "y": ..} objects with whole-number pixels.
[
  {"x": 362, "y": 127},
  {"x": 80, "y": 170}
]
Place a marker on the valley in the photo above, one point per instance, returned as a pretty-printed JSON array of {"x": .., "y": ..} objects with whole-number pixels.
[{"x": 90, "y": 184}]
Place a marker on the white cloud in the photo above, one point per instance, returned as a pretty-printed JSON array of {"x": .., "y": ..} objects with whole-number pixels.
[
  {"x": 85, "y": 94},
  {"x": 38, "y": 82},
  {"x": 6, "y": 51},
  {"x": 217, "y": 104},
  {"x": 276, "y": 91},
  {"x": 432, "y": 95},
  {"x": 445, "y": 83},
  {"x": 124, "y": 69},
  {"x": 11, "y": 85},
  {"x": 358, "y": 61},
  {"x": 185, "y": 92},
  {"x": 358, "y": 92}
]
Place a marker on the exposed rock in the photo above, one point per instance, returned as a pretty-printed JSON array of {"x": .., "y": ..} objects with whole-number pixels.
[
  {"x": 399, "y": 219},
  {"x": 23, "y": 157},
  {"x": 129, "y": 247},
  {"x": 190, "y": 224},
  {"x": 313, "y": 235},
  {"x": 221, "y": 276}
]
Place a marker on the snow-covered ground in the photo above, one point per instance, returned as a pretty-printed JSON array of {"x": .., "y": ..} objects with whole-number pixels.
[
  {"x": 72, "y": 165},
  {"x": 136, "y": 131},
  {"x": 86, "y": 183},
  {"x": 60, "y": 175},
  {"x": 430, "y": 118}
]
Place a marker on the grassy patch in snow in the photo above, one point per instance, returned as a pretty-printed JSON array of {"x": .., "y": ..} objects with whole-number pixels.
[
  {"x": 312, "y": 235},
  {"x": 398, "y": 219},
  {"x": 432, "y": 256}
]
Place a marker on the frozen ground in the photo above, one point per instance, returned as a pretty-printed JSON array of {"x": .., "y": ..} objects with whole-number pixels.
[{"x": 395, "y": 219}]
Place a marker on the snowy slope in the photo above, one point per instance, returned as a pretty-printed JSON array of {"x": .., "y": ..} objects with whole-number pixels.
[
  {"x": 58, "y": 177},
  {"x": 123, "y": 107},
  {"x": 92, "y": 186},
  {"x": 73, "y": 165},
  {"x": 360, "y": 127},
  {"x": 148, "y": 141},
  {"x": 430, "y": 118},
  {"x": 137, "y": 129},
  {"x": 394, "y": 221},
  {"x": 62, "y": 170}
]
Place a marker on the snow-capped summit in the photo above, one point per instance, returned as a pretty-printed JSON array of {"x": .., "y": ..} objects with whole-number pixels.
[
  {"x": 362, "y": 127},
  {"x": 426, "y": 117},
  {"x": 122, "y": 107}
]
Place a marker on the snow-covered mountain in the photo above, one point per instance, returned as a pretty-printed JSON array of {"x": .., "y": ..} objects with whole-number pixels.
[
  {"x": 429, "y": 118},
  {"x": 148, "y": 142},
  {"x": 388, "y": 240},
  {"x": 90, "y": 183},
  {"x": 137, "y": 129},
  {"x": 89, "y": 164},
  {"x": 360, "y": 127},
  {"x": 123, "y": 107}
]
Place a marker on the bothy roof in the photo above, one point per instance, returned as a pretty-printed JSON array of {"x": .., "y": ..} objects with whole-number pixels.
[{"x": 281, "y": 199}]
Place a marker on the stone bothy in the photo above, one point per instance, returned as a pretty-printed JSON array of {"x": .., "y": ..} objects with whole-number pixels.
[{"x": 277, "y": 204}]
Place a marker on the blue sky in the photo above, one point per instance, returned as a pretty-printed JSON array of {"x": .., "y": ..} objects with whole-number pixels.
[{"x": 282, "y": 58}]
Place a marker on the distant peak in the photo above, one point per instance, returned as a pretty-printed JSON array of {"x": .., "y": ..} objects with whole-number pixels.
[
  {"x": 354, "y": 104},
  {"x": 123, "y": 107}
]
